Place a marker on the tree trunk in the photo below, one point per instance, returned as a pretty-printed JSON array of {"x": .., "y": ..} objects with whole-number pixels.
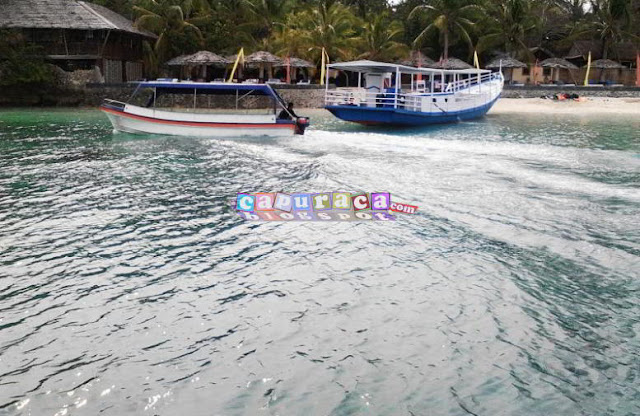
[
  {"x": 446, "y": 44},
  {"x": 605, "y": 54}
]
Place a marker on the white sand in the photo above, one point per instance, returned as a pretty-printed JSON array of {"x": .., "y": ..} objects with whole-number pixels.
[{"x": 595, "y": 105}]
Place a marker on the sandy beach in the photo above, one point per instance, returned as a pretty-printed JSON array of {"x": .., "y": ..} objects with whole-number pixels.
[{"x": 595, "y": 105}]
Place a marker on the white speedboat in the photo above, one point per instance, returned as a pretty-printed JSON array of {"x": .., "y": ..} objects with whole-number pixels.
[
  {"x": 236, "y": 115},
  {"x": 428, "y": 96}
]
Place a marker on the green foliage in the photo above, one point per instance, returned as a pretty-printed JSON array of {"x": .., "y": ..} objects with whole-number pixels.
[
  {"x": 21, "y": 63},
  {"x": 453, "y": 19},
  {"x": 508, "y": 22},
  {"x": 123, "y": 7},
  {"x": 378, "y": 29},
  {"x": 176, "y": 24},
  {"x": 380, "y": 39}
]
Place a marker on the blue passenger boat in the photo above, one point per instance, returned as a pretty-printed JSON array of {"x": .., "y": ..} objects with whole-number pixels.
[{"x": 431, "y": 96}]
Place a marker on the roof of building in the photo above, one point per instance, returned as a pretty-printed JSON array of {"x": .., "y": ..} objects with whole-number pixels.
[
  {"x": 557, "y": 63},
  {"x": 450, "y": 63},
  {"x": 621, "y": 51},
  {"x": 199, "y": 58},
  {"x": 505, "y": 62},
  {"x": 64, "y": 14}
]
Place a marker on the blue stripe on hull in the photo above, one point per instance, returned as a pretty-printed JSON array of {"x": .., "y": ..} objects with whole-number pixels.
[{"x": 400, "y": 117}]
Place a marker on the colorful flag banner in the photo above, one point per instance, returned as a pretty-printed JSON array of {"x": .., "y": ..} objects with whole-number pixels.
[
  {"x": 325, "y": 62},
  {"x": 586, "y": 75},
  {"x": 239, "y": 59}
]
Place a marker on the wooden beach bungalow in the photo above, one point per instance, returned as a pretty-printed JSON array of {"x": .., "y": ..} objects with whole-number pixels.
[
  {"x": 623, "y": 53},
  {"x": 80, "y": 35}
]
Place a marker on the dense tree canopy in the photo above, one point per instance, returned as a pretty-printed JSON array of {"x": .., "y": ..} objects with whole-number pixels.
[{"x": 381, "y": 29}]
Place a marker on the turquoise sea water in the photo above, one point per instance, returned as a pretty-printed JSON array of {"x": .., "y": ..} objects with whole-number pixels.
[{"x": 128, "y": 286}]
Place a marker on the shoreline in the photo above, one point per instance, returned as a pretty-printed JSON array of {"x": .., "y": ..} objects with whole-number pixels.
[{"x": 591, "y": 106}]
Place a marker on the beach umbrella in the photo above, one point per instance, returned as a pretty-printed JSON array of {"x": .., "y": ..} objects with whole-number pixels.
[
  {"x": 606, "y": 64},
  {"x": 201, "y": 58},
  {"x": 295, "y": 64},
  {"x": 263, "y": 60},
  {"x": 506, "y": 63},
  {"x": 206, "y": 58},
  {"x": 177, "y": 61},
  {"x": 450, "y": 63},
  {"x": 557, "y": 65},
  {"x": 417, "y": 59}
]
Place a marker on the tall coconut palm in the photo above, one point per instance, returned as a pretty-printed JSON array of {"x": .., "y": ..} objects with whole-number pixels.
[
  {"x": 508, "y": 22},
  {"x": 329, "y": 25},
  {"x": 175, "y": 23},
  {"x": 288, "y": 38},
  {"x": 611, "y": 21},
  {"x": 380, "y": 37},
  {"x": 448, "y": 17}
]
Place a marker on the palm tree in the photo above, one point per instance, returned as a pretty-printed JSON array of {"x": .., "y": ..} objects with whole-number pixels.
[
  {"x": 288, "y": 38},
  {"x": 508, "y": 21},
  {"x": 611, "y": 21},
  {"x": 448, "y": 16},
  {"x": 175, "y": 23},
  {"x": 380, "y": 39},
  {"x": 329, "y": 25}
]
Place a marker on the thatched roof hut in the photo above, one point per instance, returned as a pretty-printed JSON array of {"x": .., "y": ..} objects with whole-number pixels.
[
  {"x": 262, "y": 57},
  {"x": 263, "y": 60},
  {"x": 557, "y": 63},
  {"x": 80, "y": 35},
  {"x": 177, "y": 61},
  {"x": 203, "y": 58},
  {"x": 296, "y": 63},
  {"x": 606, "y": 64},
  {"x": 451, "y": 63},
  {"x": 624, "y": 52},
  {"x": 64, "y": 14},
  {"x": 505, "y": 62},
  {"x": 416, "y": 59}
]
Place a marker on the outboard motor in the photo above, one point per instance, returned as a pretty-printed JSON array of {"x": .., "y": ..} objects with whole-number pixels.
[{"x": 301, "y": 124}]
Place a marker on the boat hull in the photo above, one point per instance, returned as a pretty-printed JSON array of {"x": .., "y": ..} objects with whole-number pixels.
[
  {"x": 400, "y": 117},
  {"x": 138, "y": 124}
]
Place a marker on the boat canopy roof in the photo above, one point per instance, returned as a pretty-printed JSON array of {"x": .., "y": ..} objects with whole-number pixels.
[
  {"x": 373, "y": 67},
  {"x": 221, "y": 88}
]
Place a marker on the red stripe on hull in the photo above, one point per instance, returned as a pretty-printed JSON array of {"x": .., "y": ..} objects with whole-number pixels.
[{"x": 198, "y": 124}]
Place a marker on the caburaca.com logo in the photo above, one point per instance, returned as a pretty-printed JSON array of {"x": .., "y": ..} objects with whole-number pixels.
[{"x": 328, "y": 206}]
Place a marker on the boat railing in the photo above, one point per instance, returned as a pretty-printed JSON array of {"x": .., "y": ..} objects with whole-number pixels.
[
  {"x": 414, "y": 100},
  {"x": 362, "y": 98},
  {"x": 471, "y": 81}
]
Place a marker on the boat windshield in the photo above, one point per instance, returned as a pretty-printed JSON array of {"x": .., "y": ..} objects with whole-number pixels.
[{"x": 208, "y": 98}]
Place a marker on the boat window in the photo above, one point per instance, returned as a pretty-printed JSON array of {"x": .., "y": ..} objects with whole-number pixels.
[
  {"x": 204, "y": 101},
  {"x": 142, "y": 97}
]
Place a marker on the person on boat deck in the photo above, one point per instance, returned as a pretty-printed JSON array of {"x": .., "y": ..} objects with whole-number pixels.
[{"x": 288, "y": 113}]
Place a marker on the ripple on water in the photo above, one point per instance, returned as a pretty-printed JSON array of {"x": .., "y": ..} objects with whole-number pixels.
[{"x": 128, "y": 285}]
